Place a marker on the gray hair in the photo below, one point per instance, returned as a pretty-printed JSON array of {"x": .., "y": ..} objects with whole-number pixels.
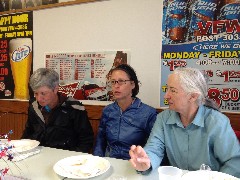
[
  {"x": 194, "y": 81},
  {"x": 44, "y": 77}
]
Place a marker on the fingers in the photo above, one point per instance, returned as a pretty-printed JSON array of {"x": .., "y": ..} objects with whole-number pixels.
[
  {"x": 132, "y": 155},
  {"x": 139, "y": 152},
  {"x": 133, "y": 163},
  {"x": 139, "y": 159},
  {"x": 132, "y": 151},
  {"x": 132, "y": 148},
  {"x": 136, "y": 151}
]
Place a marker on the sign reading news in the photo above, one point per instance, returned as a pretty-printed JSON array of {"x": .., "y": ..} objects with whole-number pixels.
[
  {"x": 15, "y": 55},
  {"x": 204, "y": 34}
]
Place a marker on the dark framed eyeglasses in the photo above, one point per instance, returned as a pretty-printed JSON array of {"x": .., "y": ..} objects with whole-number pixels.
[{"x": 119, "y": 82}]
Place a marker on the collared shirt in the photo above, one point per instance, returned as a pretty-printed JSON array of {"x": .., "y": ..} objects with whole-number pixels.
[{"x": 209, "y": 139}]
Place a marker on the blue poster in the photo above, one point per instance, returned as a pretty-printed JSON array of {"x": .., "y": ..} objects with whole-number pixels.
[{"x": 204, "y": 34}]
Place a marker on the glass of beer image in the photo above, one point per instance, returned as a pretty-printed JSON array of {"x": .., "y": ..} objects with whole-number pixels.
[{"x": 20, "y": 51}]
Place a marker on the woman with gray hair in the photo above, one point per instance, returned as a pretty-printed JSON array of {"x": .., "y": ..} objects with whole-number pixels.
[
  {"x": 55, "y": 120},
  {"x": 191, "y": 131},
  {"x": 194, "y": 81}
]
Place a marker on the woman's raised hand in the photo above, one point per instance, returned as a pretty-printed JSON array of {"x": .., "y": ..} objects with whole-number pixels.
[{"x": 139, "y": 158}]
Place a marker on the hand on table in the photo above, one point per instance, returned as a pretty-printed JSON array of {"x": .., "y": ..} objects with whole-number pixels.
[{"x": 139, "y": 159}]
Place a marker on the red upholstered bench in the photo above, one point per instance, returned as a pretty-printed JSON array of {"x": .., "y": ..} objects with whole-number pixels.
[{"x": 237, "y": 134}]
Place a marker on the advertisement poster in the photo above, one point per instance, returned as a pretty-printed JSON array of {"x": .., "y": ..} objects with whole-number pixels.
[
  {"x": 204, "y": 34},
  {"x": 16, "y": 32},
  {"x": 84, "y": 75}
]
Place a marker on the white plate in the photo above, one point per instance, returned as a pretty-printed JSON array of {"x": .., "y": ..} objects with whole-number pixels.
[
  {"x": 24, "y": 145},
  {"x": 81, "y": 167},
  {"x": 207, "y": 175}
]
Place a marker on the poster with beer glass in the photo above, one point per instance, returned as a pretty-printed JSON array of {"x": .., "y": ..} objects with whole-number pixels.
[
  {"x": 16, "y": 59},
  {"x": 204, "y": 34}
]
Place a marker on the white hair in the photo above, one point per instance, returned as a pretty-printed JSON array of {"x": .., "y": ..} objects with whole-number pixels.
[{"x": 194, "y": 81}]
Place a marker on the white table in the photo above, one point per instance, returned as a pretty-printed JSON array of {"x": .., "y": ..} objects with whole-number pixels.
[{"x": 40, "y": 167}]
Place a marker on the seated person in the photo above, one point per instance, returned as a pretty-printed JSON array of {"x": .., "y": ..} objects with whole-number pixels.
[
  {"x": 127, "y": 121},
  {"x": 192, "y": 130},
  {"x": 55, "y": 120}
]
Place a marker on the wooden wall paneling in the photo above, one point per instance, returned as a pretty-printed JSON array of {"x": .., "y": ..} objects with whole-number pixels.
[
  {"x": 234, "y": 120},
  {"x": 14, "y": 106},
  {"x": 2, "y": 123},
  {"x": 19, "y": 125},
  {"x": 13, "y": 115},
  {"x": 14, "y": 122},
  {"x": 94, "y": 115},
  {"x": 94, "y": 111}
]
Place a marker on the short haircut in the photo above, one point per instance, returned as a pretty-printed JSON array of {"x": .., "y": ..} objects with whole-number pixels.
[{"x": 44, "y": 77}]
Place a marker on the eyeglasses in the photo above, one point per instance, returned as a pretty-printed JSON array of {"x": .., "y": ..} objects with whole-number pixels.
[{"x": 120, "y": 82}]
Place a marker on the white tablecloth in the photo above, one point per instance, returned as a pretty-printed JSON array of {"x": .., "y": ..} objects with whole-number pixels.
[{"x": 40, "y": 167}]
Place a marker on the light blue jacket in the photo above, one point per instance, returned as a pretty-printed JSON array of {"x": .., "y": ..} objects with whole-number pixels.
[{"x": 209, "y": 139}]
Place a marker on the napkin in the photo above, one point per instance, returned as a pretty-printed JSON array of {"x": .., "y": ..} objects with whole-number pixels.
[
  {"x": 12, "y": 177},
  {"x": 24, "y": 155}
]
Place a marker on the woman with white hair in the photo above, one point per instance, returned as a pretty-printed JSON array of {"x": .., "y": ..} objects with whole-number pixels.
[{"x": 192, "y": 131}]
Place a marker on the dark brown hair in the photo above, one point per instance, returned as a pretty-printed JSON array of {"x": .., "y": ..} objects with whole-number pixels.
[{"x": 132, "y": 76}]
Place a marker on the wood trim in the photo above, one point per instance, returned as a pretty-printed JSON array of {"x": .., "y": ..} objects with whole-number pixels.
[
  {"x": 14, "y": 106},
  {"x": 234, "y": 120},
  {"x": 13, "y": 116}
]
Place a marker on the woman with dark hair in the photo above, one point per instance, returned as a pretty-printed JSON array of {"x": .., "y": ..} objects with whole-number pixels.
[
  {"x": 120, "y": 58},
  {"x": 127, "y": 121}
]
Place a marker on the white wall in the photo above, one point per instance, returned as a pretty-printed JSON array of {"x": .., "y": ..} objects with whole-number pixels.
[{"x": 133, "y": 25}]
